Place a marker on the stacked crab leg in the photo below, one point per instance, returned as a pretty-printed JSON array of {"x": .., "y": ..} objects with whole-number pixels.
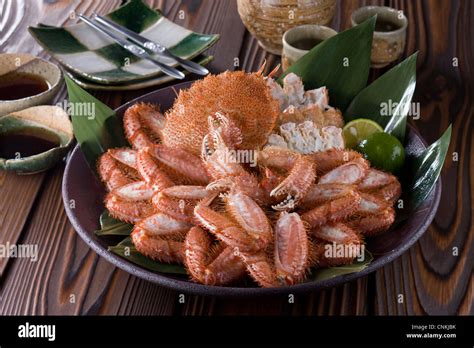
[{"x": 223, "y": 219}]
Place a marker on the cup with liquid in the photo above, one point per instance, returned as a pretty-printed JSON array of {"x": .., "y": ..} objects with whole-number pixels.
[
  {"x": 300, "y": 40},
  {"x": 26, "y": 81},
  {"x": 389, "y": 35}
]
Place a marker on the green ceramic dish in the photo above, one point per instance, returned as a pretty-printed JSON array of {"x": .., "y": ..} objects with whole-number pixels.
[
  {"x": 95, "y": 57},
  {"x": 27, "y": 63},
  {"x": 86, "y": 84},
  {"x": 46, "y": 122}
]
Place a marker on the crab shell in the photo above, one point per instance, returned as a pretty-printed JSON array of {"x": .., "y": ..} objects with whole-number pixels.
[{"x": 244, "y": 97}]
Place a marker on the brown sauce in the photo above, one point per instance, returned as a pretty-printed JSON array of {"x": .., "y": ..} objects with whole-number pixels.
[
  {"x": 27, "y": 142},
  {"x": 16, "y": 85},
  {"x": 306, "y": 43}
]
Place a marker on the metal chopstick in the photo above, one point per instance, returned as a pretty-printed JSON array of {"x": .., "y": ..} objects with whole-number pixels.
[
  {"x": 151, "y": 45},
  {"x": 134, "y": 49}
]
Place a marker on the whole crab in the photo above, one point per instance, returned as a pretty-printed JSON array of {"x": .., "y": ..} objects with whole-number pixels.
[{"x": 224, "y": 219}]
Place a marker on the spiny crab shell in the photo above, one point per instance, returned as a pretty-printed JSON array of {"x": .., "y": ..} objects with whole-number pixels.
[{"x": 245, "y": 98}]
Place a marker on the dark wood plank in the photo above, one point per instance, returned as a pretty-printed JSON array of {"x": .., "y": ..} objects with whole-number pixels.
[{"x": 430, "y": 278}]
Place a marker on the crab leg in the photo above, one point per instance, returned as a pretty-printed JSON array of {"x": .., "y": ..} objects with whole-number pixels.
[
  {"x": 181, "y": 163},
  {"x": 130, "y": 212},
  {"x": 260, "y": 268},
  {"x": 333, "y": 158},
  {"x": 135, "y": 191},
  {"x": 291, "y": 249},
  {"x": 333, "y": 210},
  {"x": 143, "y": 124},
  {"x": 372, "y": 225},
  {"x": 301, "y": 174},
  {"x": 225, "y": 230},
  {"x": 249, "y": 216},
  {"x": 296, "y": 184},
  {"x": 151, "y": 172},
  {"x": 350, "y": 173},
  {"x": 278, "y": 158},
  {"x": 187, "y": 192},
  {"x": 322, "y": 193},
  {"x": 170, "y": 251},
  {"x": 125, "y": 156},
  {"x": 334, "y": 235},
  {"x": 177, "y": 209},
  {"x": 113, "y": 173},
  {"x": 163, "y": 225},
  {"x": 381, "y": 184},
  {"x": 225, "y": 268}
]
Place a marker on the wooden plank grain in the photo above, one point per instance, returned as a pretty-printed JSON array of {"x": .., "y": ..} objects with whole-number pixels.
[{"x": 436, "y": 274}]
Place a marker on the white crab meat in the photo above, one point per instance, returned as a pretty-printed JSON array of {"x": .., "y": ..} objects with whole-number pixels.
[
  {"x": 307, "y": 138},
  {"x": 293, "y": 95},
  {"x": 294, "y": 89}
]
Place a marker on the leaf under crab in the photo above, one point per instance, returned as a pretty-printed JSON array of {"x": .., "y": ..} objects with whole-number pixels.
[
  {"x": 126, "y": 250},
  {"x": 112, "y": 227},
  {"x": 95, "y": 125},
  {"x": 327, "y": 273},
  {"x": 341, "y": 63}
]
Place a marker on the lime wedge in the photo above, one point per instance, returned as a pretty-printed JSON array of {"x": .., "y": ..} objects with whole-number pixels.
[{"x": 357, "y": 130}]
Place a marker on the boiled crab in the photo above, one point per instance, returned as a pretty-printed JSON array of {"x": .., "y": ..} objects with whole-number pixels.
[{"x": 193, "y": 201}]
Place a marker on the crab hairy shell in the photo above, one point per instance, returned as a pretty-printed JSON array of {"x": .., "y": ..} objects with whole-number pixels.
[{"x": 244, "y": 97}]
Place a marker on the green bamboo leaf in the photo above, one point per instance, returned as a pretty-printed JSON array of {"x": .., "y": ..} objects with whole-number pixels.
[
  {"x": 95, "y": 126},
  {"x": 427, "y": 167},
  {"x": 341, "y": 63},
  {"x": 327, "y": 273},
  {"x": 387, "y": 100},
  {"x": 112, "y": 227},
  {"x": 126, "y": 250}
]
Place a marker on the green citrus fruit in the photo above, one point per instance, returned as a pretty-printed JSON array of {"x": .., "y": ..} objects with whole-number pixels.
[
  {"x": 383, "y": 151},
  {"x": 357, "y": 130}
]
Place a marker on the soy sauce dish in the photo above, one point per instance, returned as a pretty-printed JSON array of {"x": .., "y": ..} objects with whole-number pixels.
[
  {"x": 26, "y": 81},
  {"x": 34, "y": 139}
]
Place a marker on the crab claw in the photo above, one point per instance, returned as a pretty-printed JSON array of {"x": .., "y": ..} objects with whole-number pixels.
[
  {"x": 296, "y": 184},
  {"x": 206, "y": 150},
  {"x": 220, "y": 185},
  {"x": 224, "y": 130},
  {"x": 288, "y": 204}
]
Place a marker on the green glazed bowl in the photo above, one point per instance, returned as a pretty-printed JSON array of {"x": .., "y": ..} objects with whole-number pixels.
[{"x": 46, "y": 122}]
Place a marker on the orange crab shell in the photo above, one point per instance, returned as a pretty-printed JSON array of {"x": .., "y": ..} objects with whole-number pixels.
[{"x": 244, "y": 97}]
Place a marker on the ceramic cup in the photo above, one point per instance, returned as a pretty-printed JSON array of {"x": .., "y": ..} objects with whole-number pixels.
[
  {"x": 295, "y": 39},
  {"x": 26, "y": 63},
  {"x": 267, "y": 20},
  {"x": 389, "y": 36}
]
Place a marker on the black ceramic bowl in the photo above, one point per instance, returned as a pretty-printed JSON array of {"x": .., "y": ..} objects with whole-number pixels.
[{"x": 80, "y": 184}]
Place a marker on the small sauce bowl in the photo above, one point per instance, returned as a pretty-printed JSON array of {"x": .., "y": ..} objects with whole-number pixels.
[
  {"x": 34, "y": 139},
  {"x": 27, "y": 64}
]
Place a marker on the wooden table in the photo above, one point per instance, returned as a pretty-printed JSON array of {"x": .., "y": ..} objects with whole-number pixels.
[{"x": 69, "y": 278}]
